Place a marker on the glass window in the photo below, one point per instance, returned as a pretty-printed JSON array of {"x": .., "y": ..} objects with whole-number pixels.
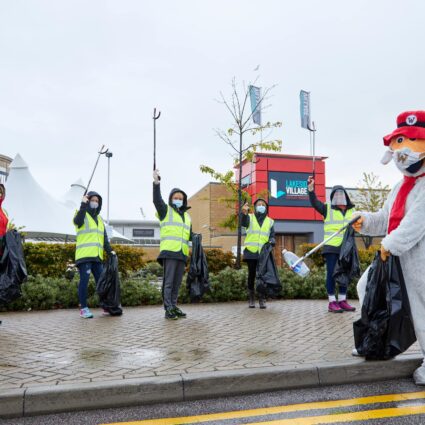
[{"x": 143, "y": 233}]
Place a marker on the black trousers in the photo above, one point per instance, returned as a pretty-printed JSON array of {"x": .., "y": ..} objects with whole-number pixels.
[
  {"x": 252, "y": 271},
  {"x": 173, "y": 276}
]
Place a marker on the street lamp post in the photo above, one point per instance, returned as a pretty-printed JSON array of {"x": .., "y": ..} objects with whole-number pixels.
[{"x": 109, "y": 156}]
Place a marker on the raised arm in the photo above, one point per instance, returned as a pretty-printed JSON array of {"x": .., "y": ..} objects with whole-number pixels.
[{"x": 160, "y": 206}]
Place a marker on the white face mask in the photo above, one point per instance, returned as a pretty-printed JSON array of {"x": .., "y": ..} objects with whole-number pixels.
[
  {"x": 94, "y": 205},
  {"x": 339, "y": 198},
  {"x": 403, "y": 158}
]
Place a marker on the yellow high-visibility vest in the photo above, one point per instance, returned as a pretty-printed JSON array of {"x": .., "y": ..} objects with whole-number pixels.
[
  {"x": 256, "y": 235},
  {"x": 175, "y": 232},
  {"x": 90, "y": 238},
  {"x": 334, "y": 220}
]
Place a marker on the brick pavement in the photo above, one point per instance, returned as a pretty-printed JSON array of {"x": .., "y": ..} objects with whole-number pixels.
[{"x": 57, "y": 347}]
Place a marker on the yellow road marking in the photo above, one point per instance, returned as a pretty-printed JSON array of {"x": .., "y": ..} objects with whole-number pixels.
[
  {"x": 386, "y": 398},
  {"x": 393, "y": 412}
]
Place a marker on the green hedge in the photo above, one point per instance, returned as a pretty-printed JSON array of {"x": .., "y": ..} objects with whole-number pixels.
[
  {"x": 40, "y": 293},
  {"x": 365, "y": 255},
  {"x": 50, "y": 260}
]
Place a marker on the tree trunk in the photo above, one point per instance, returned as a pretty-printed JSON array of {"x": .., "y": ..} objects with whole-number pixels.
[{"x": 239, "y": 243}]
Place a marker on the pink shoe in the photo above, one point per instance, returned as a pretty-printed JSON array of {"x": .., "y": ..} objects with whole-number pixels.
[
  {"x": 335, "y": 308},
  {"x": 345, "y": 306}
]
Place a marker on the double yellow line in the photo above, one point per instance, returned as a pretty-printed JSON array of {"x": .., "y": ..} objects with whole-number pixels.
[{"x": 310, "y": 420}]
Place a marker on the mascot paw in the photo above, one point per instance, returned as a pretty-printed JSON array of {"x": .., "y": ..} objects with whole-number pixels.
[{"x": 419, "y": 376}]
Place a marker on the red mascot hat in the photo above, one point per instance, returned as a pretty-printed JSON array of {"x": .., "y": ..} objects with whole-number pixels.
[{"x": 410, "y": 124}]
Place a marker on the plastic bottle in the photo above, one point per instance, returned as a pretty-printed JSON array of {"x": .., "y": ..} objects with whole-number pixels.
[{"x": 290, "y": 258}]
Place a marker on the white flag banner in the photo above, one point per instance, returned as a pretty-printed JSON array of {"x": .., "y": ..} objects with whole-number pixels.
[
  {"x": 305, "y": 109},
  {"x": 255, "y": 96}
]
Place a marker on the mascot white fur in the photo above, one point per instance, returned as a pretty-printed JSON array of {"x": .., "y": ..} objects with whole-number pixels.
[{"x": 402, "y": 218}]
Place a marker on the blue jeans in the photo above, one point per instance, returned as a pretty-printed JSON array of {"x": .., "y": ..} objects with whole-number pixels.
[
  {"x": 85, "y": 268},
  {"x": 331, "y": 260}
]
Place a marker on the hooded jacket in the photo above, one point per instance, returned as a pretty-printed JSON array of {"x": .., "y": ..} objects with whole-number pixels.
[
  {"x": 162, "y": 209},
  {"x": 245, "y": 220},
  {"x": 79, "y": 221},
  {"x": 322, "y": 209}
]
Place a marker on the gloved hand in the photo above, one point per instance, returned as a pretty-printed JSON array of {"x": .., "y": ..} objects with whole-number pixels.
[
  {"x": 384, "y": 253},
  {"x": 156, "y": 176},
  {"x": 272, "y": 241},
  {"x": 85, "y": 200},
  {"x": 113, "y": 253},
  {"x": 357, "y": 226},
  {"x": 310, "y": 186},
  {"x": 245, "y": 208}
]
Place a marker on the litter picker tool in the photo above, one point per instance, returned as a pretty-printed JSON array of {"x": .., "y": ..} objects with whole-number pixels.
[
  {"x": 155, "y": 117},
  {"x": 297, "y": 264},
  {"x": 101, "y": 152}
]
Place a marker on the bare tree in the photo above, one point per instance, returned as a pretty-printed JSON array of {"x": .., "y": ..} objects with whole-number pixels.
[
  {"x": 371, "y": 196},
  {"x": 241, "y": 116}
]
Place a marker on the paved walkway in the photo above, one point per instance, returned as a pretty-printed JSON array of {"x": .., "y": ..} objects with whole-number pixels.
[{"x": 57, "y": 347}]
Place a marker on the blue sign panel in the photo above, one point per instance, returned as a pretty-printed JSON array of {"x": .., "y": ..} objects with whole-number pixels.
[{"x": 288, "y": 189}]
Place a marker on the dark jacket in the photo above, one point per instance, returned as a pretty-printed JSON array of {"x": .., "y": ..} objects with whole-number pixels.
[
  {"x": 79, "y": 221},
  {"x": 245, "y": 220},
  {"x": 321, "y": 208},
  {"x": 162, "y": 209}
]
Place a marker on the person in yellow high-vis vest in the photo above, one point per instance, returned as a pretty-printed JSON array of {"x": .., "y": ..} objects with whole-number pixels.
[
  {"x": 259, "y": 230},
  {"x": 175, "y": 234},
  {"x": 92, "y": 241},
  {"x": 336, "y": 214}
]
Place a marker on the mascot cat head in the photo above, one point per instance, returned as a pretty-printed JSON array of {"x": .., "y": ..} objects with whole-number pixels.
[{"x": 407, "y": 144}]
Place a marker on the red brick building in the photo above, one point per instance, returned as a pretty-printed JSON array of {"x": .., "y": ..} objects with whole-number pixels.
[{"x": 282, "y": 179}]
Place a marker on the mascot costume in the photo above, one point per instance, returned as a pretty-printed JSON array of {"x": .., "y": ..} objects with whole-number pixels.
[{"x": 402, "y": 218}]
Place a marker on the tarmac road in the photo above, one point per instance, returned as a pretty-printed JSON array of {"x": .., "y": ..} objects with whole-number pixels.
[{"x": 390, "y": 402}]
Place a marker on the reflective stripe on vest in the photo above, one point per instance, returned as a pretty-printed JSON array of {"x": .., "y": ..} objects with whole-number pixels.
[
  {"x": 90, "y": 238},
  {"x": 174, "y": 232},
  {"x": 257, "y": 236},
  {"x": 333, "y": 222}
]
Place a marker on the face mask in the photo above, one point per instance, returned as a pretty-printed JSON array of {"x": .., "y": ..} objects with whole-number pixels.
[
  {"x": 94, "y": 205},
  {"x": 339, "y": 198},
  {"x": 260, "y": 209},
  {"x": 403, "y": 158},
  {"x": 178, "y": 203}
]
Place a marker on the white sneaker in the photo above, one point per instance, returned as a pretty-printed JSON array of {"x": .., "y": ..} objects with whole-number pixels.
[
  {"x": 419, "y": 375},
  {"x": 85, "y": 313},
  {"x": 355, "y": 353}
]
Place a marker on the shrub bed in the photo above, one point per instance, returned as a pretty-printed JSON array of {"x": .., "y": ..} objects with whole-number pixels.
[
  {"x": 50, "y": 260},
  {"x": 41, "y": 293}
]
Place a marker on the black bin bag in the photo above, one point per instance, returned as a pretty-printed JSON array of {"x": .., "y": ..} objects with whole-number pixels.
[
  {"x": 108, "y": 287},
  {"x": 348, "y": 264},
  {"x": 13, "y": 270},
  {"x": 267, "y": 282},
  {"x": 385, "y": 328},
  {"x": 197, "y": 282}
]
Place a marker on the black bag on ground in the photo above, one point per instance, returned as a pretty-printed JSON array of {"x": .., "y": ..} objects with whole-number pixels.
[
  {"x": 13, "y": 270},
  {"x": 267, "y": 280},
  {"x": 385, "y": 328},
  {"x": 108, "y": 287},
  {"x": 197, "y": 282},
  {"x": 348, "y": 265}
]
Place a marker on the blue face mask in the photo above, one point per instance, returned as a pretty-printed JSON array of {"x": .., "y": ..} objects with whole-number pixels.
[
  {"x": 260, "y": 209},
  {"x": 178, "y": 203}
]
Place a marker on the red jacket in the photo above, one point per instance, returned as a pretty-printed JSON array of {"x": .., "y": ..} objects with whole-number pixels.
[{"x": 3, "y": 220}]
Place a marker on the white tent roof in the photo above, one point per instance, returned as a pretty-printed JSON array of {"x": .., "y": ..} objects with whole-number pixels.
[
  {"x": 34, "y": 209},
  {"x": 72, "y": 198}
]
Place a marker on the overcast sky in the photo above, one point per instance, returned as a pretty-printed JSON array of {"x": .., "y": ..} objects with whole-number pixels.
[{"x": 78, "y": 74}]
